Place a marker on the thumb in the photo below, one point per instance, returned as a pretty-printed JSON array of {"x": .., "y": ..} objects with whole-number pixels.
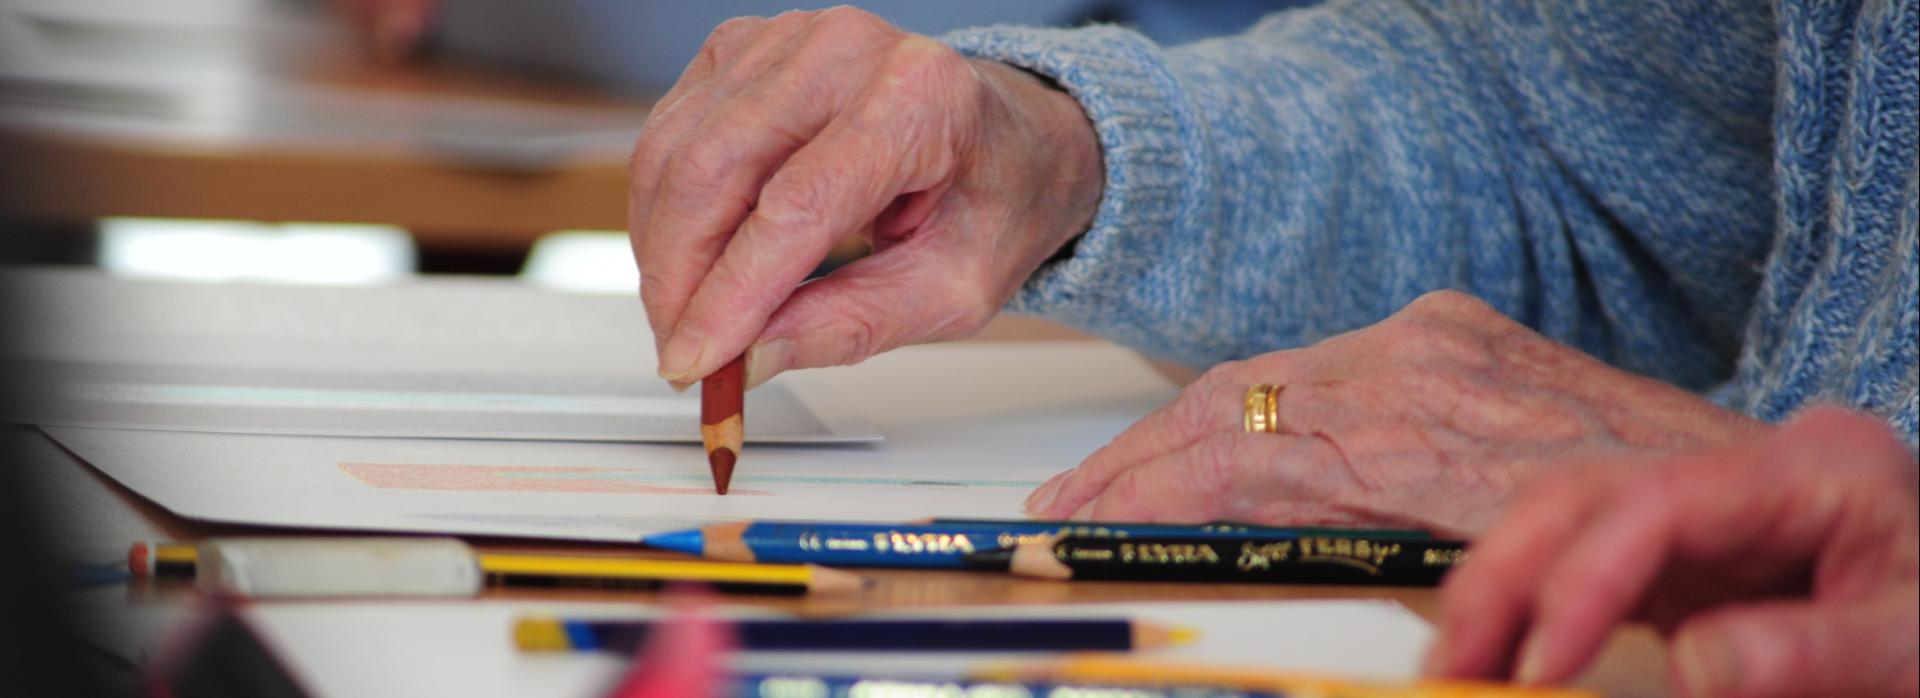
[
  {"x": 1857, "y": 649},
  {"x": 891, "y": 299}
]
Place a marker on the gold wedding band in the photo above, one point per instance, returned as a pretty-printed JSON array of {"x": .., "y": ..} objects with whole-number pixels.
[{"x": 1263, "y": 409}]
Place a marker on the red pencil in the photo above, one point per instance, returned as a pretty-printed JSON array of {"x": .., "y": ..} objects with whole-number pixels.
[{"x": 723, "y": 419}]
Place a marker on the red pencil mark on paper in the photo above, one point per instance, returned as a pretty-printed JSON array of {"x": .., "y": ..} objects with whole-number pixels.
[{"x": 508, "y": 478}]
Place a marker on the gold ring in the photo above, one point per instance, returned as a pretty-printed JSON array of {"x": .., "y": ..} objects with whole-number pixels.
[{"x": 1262, "y": 409}]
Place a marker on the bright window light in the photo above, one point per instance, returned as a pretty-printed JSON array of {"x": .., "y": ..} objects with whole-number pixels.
[
  {"x": 586, "y": 261},
  {"x": 220, "y": 250}
]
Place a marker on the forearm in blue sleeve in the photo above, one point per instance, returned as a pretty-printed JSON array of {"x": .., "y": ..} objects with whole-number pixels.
[{"x": 1318, "y": 172}]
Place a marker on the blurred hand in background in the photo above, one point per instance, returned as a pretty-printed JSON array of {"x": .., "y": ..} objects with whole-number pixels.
[{"x": 393, "y": 29}]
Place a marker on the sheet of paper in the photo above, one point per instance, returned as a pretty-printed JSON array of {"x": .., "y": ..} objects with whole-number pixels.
[
  {"x": 265, "y": 400},
  {"x": 464, "y": 649},
  {"x": 458, "y": 358},
  {"x": 970, "y": 431},
  {"x": 565, "y": 490}
]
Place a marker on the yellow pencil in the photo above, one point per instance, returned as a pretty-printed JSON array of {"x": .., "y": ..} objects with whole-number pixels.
[
  {"x": 1111, "y": 670},
  {"x": 508, "y": 568},
  {"x": 516, "y": 569}
]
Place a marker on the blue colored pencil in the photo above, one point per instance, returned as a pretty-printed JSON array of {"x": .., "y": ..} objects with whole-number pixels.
[
  {"x": 767, "y": 686},
  {"x": 869, "y": 635},
  {"x": 939, "y": 544}
]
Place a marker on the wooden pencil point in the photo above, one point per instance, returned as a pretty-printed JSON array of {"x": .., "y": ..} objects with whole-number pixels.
[
  {"x": 1148, "y": 636},
  {"x": 1035, "y": 558},
  {"x": 826, "y": 580},
  {"x": 727, "y": 541},
  {"x": 720, "y": 461}
]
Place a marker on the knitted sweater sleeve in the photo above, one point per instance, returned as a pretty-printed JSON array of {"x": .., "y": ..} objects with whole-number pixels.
[{"x": 1316, "y": 173}]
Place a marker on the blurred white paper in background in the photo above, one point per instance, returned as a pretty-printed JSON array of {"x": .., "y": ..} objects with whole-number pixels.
[{"x": 450, "y": 358}]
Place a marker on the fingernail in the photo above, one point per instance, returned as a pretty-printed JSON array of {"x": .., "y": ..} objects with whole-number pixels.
[
  {"x": 683, "y": 352},
  {"x": 1705, "y": 666},
  {"x": 767, "y": 359},
  {"x": 679, "y": 386},
  {"x": 1041, "y": 498},
  {"x": 1533, "y": 660}
]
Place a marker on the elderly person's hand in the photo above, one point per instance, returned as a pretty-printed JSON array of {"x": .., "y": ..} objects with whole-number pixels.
[
  {"x": 1426, "y": 419},
  {"x": 392, "y": 28},
  {"x": 786, "y": 135},
  {"x": 1787, "y": 566}
]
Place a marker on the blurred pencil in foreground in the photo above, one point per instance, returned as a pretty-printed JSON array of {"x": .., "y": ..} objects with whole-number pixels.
[
  {"x": 879, "y": 687},
  {"x": 284, "y": 567},
  {"x": 868, "y": 635},
  {"x": 722, "y": 419},
  {"x": 1107, "y": 670}
]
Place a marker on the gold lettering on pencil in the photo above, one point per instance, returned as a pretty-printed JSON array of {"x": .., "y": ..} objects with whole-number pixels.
[
  {"x": 850, "y": 544},
  {"x": 1150, "y": 553},
  {"x": 1090, "y": 554},
  {"x": 900, "y": 542},
  {"x": 1262, "y": 556},
  {"x": 1361, "y": 554},
  {"x": 1437, "y": 558}
]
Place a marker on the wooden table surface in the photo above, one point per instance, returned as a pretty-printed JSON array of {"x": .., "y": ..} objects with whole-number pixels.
[{"x": 131, "y": 168}]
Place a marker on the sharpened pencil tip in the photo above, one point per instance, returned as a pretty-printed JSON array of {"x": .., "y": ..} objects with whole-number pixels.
[{"x": 720, "y": 461}]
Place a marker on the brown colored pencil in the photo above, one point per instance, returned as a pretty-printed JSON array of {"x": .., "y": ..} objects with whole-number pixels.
[{"x": 723, "y": 419}]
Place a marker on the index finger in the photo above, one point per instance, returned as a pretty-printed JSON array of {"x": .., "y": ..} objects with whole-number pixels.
[{"x": 891, "y": 144}]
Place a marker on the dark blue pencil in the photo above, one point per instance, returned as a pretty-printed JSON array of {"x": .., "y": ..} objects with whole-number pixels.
[
  {"x": 940, "y": 544},
  {"x": 882, "y": 635},
  {"x": 768, "y": 686}
]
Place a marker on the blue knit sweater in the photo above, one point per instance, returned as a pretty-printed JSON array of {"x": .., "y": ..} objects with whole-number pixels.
[{"x": 1716, "y": 193}]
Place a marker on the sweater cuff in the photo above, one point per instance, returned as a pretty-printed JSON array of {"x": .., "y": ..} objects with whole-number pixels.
[{"x": 1148, "y": 144}]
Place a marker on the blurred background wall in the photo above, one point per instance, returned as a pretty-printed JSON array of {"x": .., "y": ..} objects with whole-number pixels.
[{"x": 364, "y": 141}]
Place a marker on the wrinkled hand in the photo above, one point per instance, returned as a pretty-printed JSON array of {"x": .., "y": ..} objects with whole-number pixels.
[
  {"x": 1789, "y": 566},
  {"x": 1426, "y": 419},
  {"x": 786, "y": 135}
]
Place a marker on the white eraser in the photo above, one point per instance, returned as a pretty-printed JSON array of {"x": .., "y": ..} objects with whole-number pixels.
[{"x": 296, "y": 567}]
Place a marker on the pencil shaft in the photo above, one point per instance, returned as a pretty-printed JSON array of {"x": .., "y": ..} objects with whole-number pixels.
[
  {"x": 950, "y": 545},
  {"x": 758, "y": 686},
  {"x": 1211, "y": 528},
  {"x": 723, "y": 420},
  {"x": 580, "y": 571},
  {"x": 1304, "y": 560},
  {"x": 886, "y": 635}
]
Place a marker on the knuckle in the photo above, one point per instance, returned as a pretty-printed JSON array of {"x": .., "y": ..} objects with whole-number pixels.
[
  {"x": 795, "y": 204},
  {"x": 920, "y": 61},
  {"x": 1447, "y": 302},
  {"x": 647, "y": 154},
  {"x": 725, "y": 39},
  {"x": 731, "y": 32},
  {"x": 862, "y": 337},
  {"x": 967, "y": 303},
  {"x": 1218, "y": 464},
  {"x": 703, "y": 165},
  {"x": 853, "y": 20},
  {"x": 1193, "y": 413},
  {"x": 1221, "y": 374}
]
